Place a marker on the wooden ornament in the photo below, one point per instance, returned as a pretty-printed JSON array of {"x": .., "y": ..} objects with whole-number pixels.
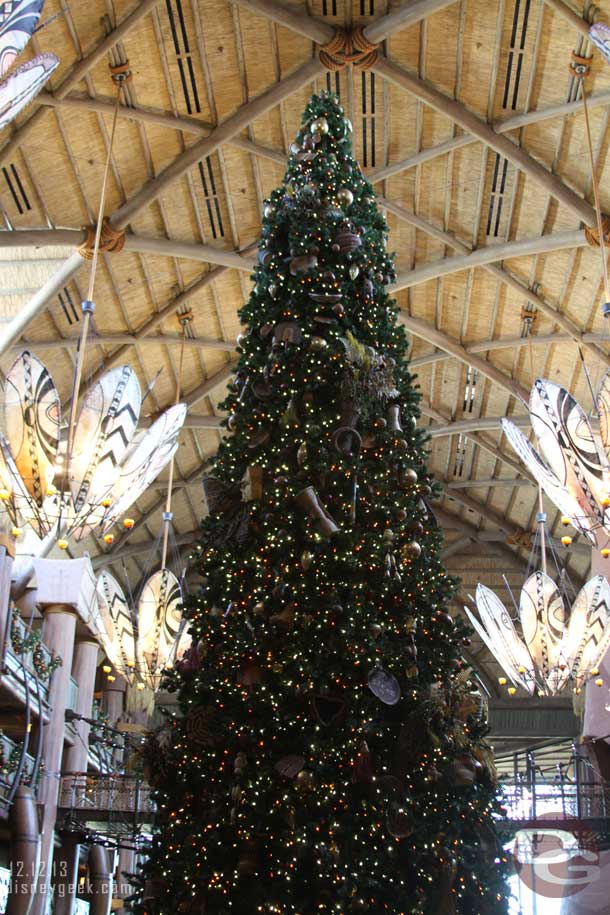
[
  {"x": 329, "y": 710},
  {"x": 253, "y": 483},
  {"x": 249, "y": 674},
  {"x": 289, "y": 766}
]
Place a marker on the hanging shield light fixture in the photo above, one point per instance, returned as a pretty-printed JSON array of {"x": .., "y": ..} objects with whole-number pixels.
[
  {"x": 573, "y": 468},
  {"x": 560, "y": 645}
]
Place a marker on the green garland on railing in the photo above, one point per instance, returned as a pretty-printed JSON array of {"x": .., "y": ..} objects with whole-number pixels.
[
  {"x": 23, "y": 643},
  {"x": 45, "y": 669},
  {"x": 32, "y": 642}
]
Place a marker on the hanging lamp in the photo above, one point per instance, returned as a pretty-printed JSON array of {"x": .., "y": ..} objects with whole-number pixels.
[
  {"x": 561, "y": 642},
  {"x": 81, "y": 481}
]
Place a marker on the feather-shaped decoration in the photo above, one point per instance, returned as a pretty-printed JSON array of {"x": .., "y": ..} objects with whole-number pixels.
[
  {"x": 543, "y": 619},
  {"x": 226, "y": 502},
  {"x": 149, "y": 453},
  {"x": 117, "y": 637},
  {"x": 104, "y": 429},
  {"x": 588, "y": 634},
  {"x": 554, "y": 651},
  {"x": 603, "y": 410},
  {"x": 585, "y": 522},
  {"x": 220, "y": 497},
  {"x": 23, "y": 85},
  {"x": 568, "y": 445},
  {"x": 159, "y": 618},
  {"x": 18, "y": 19},
  {"x": 32, "y": 421},
  {"x": 599, "y": 35},
  {"x": 501, "y": 632},
  {"x": 370, "y": 372}
]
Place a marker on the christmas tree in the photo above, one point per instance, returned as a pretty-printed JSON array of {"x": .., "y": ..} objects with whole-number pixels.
[{"x": 329, "y": 754}]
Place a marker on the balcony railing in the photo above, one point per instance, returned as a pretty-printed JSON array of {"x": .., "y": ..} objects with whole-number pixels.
[
  {"x": 21, "y": 666},
  {"x": 95, "y": 795},
  {"x": 10, "y": 752}
]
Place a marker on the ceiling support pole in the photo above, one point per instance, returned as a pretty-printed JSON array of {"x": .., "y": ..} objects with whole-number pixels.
[{"x": 40, "y": 301}]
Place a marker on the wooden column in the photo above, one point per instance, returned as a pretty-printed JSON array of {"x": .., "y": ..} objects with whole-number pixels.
[
  {"x": 126, "y": 865},
  {"x": 65, "y": 875},
  {"x": 65, "y": 592},
  {"x": 84, "y": 670},
  {"x": 58, "y": 632},
  {"x": 113, "y": 699}
]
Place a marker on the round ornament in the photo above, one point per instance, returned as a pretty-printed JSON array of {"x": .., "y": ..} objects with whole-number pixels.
[
  {"x": 306, "y": 780},
  {"x": 320, "y": 125},
  {"x": 345, "y": 197},
  {"x": 354, "y": 270},
  {"x": 306, "y": 560},
  {"x": 411, "y": 550},
  {"x": 268, "y": 211},
  {"x": 384, "y": 686},
  {"x": 317, "y": 344}
]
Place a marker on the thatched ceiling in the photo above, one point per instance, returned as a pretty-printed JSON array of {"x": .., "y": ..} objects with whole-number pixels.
[{"x": 469, "y": 123}]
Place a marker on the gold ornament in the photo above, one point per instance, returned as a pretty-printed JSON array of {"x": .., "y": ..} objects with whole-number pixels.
[
  {"x": 306, "y": 560},
  {"x": 345, "y": 197},
  {"x": 320, "y": 125},
  {"x": 411, "y": 550},
  {"x": 305, "y": 780},
  {"x": 317, "y": 344}
]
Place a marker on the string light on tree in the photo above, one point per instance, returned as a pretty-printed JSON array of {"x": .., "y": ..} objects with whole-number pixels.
[{"x": 329, "y": 754}]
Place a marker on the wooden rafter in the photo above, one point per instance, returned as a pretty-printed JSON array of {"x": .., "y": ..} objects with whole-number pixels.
[
  {"x": 544, "y": 244},
  {"x": 429, "y": 333}
]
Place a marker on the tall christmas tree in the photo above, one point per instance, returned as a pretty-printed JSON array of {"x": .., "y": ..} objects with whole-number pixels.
[{"x": 328, "y": 756}]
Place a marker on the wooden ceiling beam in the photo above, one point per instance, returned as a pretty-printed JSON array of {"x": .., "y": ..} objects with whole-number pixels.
[
  {"x": 500, "y": 273},
  {"x": 78, "y": 72},
  {"x": 429, "y": 333},
  {"x": 570, "y": 15},
  {"x": 488, "y": 346},
  {"x": 480, "y": 257},
  {"x": 302, "y": 23},
  {"x": 234, "y": 124},
  {"x": 492, "y": 482},
  {"x": 402, "y": 17},
  {"x": 157, "y": 117},
  {"x": 321, "y": 32},
  {"x": 500, "y": 522},
  {"x": 516, "y": 122},
  {"x": 143, "y": 244},
  {"x": 132, "y": 340},
  {"x": 427, "y": 410},
  {"x": 46, "y": 295},
  {"x": 467, "y": 120},
  {"x": 480, "y": 424},
  {"x": 206, "y": 387},
  {"x": 39, "y": 301}
]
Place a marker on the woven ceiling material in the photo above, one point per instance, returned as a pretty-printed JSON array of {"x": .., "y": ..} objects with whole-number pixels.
[{"x": 469, "y": 123}]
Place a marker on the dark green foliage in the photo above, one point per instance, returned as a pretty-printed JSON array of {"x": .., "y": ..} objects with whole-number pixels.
[{"x": 286, "y": 785}]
